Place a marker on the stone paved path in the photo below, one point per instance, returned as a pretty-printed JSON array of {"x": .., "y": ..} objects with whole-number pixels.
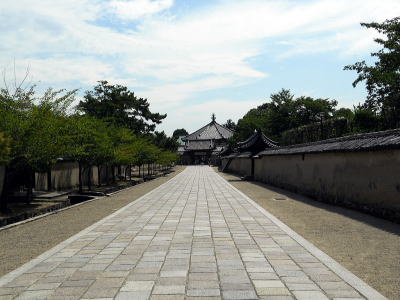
[{"x": 194, "y": 237}]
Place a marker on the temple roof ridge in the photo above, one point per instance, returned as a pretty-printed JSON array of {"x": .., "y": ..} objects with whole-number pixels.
[{"x": 211, "y": 131}]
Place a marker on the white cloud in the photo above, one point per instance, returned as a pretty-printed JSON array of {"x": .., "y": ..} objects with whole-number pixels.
[
  {"x": 193, "y": 116},
  {"x": 55, "y": 70},
  {"x": 176, "y": 58},
  {"x": 170, "y": 95},
  {"x": 132, "y": 10},
  {"x": 216, "y": 41}
]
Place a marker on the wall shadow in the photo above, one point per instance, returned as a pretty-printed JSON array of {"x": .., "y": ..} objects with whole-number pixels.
[{"x": 371, "y": 220}]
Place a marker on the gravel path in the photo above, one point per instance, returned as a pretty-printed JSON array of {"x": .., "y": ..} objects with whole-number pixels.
[
  {"x": 367, "y": 246},
  {"x": 22, "y": 243}
]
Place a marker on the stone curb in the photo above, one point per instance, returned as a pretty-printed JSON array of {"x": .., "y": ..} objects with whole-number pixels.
[
  {"x": 358, "y": 284},
  {"x": 25, "y": 267}
]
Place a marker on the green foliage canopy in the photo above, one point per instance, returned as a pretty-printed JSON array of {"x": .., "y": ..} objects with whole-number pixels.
[
  {"x": 35, "y": 125},
  {"x": 282, "y": 113},
  {"x": 5, "y": 149},
  {"x": 383, "y": 78},
  {"x": 179, "y": 132},
  {"x": 117, "y": 105}
]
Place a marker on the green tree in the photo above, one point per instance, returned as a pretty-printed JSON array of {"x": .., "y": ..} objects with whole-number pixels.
[
  {"x": 161, "y": 140},
  {"x": 119, "y": 106},
  {"x": 34, "y": 124},
  {"x": 310, "y": 110},
  {"x": 383, "y": 78},
  {"x": 89, "y": 142},
  {"x": 179, "y": 132},
  {"x": 255, "y": 118},
  {"x": 5, "y": 149},
  {"x": 230, "y": 125},
  {"x": 346, "y": 113},
  {"x": 281, "y": 113},
  {"x": 272, "y": 117},
  {"x": 166, "y": 157},
  {"x": 365, "y": 119}
]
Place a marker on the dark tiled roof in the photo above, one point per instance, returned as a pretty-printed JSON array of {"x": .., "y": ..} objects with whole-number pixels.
[
  {"x": 245, "y": 154},
  {"x": 212, "y": 131},
  {"x": 389, "y": 139},
  {"x": 257, "y": 140},
  {"x": 238, "y": 155},
  {"x": 199, "y": 145}
]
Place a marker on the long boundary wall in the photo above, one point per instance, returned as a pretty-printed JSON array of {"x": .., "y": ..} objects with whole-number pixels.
[
  {"x": 65, "y": 176},
  {"x": 368, "y": 181},
  {"x": 239, "y": 165}
]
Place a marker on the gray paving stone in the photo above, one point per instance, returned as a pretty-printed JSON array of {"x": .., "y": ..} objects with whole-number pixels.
[
  {"x": 167, "y": 297},
  {"x": 173, "y": 273},
  {"x": 70, "y": 291},
  {"x": 203, "y": 284},
  {"x": 97, "y": 292},
  {"x": 203, "y": 292},
  {"x": 44, "y": 286},
  {"x": 238, "y": 294},
  {"x": 272, "y": 291},
  {"x": 137, "y": 295},
  {"x": 130, "y": 286},
  {"x": 81, "y": 283},
  {"x": 169, "y": 289},
  {"x": 194, "y": 237},
  {"x": 310, "y": 295},
  {"x": 34, "y": 295}
]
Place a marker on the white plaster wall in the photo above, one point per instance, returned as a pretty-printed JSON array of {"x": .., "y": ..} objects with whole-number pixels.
[
  {"x": 371, "y": 178},
  {"x": 241, "y": 166}
]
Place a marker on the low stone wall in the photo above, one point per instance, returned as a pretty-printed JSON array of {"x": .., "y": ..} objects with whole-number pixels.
[
  {"x": 65, "y": 176},
  {"x": 367, "y": 181}
]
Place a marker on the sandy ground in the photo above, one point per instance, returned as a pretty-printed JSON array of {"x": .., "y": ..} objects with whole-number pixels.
[
  {"x": 22, "y": 243},
  {"x": 367, "y": 246}
]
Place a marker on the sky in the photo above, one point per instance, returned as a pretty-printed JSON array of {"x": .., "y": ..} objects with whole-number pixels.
[{"x": 192, "y": 58}]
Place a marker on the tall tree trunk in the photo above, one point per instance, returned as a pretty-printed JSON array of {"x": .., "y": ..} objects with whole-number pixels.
[
  {"x": 4, "y": 192},
  {"x": 89, "y": 184},
  {"x": 139, "y": 170},
  {"x": 99, "y": 175},
  {"x": 130, "y": 172},
  {"x": 49, "y": 183},
  {"x": 80, "y": 178}
]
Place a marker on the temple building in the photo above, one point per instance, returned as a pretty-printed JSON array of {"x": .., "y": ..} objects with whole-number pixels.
[{"x": 205, "y": 144}]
